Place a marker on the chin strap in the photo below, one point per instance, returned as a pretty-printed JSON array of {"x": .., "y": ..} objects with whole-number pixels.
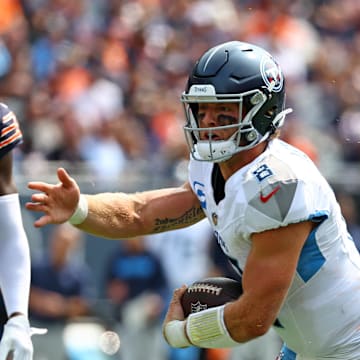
[{"x": 279, "y": 120}]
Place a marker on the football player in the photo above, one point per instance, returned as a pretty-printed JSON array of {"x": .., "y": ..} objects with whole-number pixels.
[
  {"x": 14, "y": 249},
  {"x": 273, "y": 213}
]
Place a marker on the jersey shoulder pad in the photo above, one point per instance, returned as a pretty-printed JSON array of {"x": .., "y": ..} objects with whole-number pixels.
[{"x": 274, "y": 195}]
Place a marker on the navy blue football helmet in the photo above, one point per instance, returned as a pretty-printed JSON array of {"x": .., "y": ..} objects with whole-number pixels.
[{"x": 235, "y": 72}]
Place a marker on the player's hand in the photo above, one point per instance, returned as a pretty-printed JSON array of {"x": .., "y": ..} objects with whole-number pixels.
[
  {"x": 16, "y": 339},
  {"x": 57, "y": 202},
  {"x": 175, "y": 310},
  {"x": 173, "y": 329}
]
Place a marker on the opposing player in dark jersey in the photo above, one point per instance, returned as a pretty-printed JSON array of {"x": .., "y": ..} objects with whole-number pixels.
[
  {"x": 14, "y": 249},
  {"x": 273, "y": 213}
]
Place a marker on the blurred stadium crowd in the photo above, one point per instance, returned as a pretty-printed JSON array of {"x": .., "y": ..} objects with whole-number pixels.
[
  {"x": 98, "y": 82},
  {"x": 96, "y": 86}
]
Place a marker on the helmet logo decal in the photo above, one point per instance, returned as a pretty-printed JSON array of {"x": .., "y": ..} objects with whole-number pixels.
[{"x": 271, "y": 74}]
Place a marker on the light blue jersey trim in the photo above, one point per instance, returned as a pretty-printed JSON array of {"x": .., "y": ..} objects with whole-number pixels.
[
  {"x": 286, "y": 354},
  {"x": 311, "y": 258}
]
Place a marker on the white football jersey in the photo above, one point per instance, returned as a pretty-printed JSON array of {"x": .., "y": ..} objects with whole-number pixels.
[{"x": 320, "y": 318}]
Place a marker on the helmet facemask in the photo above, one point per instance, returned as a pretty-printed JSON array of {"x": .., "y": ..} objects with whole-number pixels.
[{"x": 246, "y": 135}]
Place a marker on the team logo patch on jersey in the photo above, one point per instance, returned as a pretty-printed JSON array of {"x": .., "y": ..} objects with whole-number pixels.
[
  {"x": 271, "y": 74},
  {"x": 199, "y": 191},
  {"x": 265, "y": 198}
]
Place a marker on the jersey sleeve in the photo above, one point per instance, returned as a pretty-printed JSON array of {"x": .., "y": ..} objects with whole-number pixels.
[
  {"x": 277, "y": 197},
  {"x": 10, "y": 133}
]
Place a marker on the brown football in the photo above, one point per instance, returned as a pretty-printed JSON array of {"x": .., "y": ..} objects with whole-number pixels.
[{"x": 210, "y": 292}]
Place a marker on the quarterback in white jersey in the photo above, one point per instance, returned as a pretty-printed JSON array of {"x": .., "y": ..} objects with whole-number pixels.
[
  {"x": 319, "y": 317},
  {"x": 273, "y": 213}
]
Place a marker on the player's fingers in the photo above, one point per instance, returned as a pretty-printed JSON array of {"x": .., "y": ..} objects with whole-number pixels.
[
  {"x": 22, "y": 354},
  {"x": 44, "y": 220},
  {"x": 36, "y": 206},
  {"x": 175, "y": 311},
  {"x": 65, "y": 178},
  {"x": 39, "y": 185},
  {"x": 38, "y": 331},
  {"x": 17, "y": 355},
  {"x": 39, "y": 198},
  {"x": 178, "y": 293}
]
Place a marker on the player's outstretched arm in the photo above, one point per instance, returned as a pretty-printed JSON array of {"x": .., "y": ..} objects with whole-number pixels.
[{"x": 114, "y": 215}]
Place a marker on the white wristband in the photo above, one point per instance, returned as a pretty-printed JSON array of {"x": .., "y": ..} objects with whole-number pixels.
[
  {"x": 174, "y": 334},
  {"x": 81, "y": 211},
  {"x": 207, "y": 329}
]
